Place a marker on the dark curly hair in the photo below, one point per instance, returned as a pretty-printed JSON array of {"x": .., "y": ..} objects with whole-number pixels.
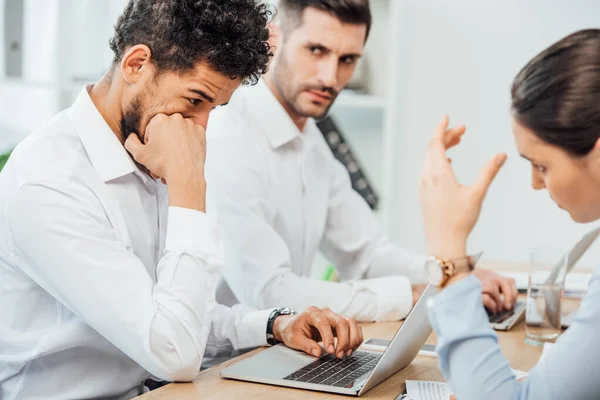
[{"x": 230, "y": 35}]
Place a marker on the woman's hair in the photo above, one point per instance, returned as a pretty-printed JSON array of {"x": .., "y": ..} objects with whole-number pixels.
[
  {"x": 230, "y": 35},
  {"x": 557, "y": 94}
]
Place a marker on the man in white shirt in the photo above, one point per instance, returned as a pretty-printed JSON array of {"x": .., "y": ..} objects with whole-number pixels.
[
  {"x": 107, "y": 276},
  {"x": 282, "y": 196}
]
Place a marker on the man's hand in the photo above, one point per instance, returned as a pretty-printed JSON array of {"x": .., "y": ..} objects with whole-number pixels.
[
  {"x": 494, "y": 285},
  {"x": 305, "y": 330},
  {"x": 174, "y": 150},
  {"x": 417, "y": 292}
]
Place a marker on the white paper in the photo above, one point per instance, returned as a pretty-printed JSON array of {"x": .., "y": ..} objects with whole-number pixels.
[
  {"x": 519, "y": 374},
  {"x": 575, "y": 281},
  {"x": 429, "y": 390}
]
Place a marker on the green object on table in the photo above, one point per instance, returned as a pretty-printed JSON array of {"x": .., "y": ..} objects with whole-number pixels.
[
  {"x": 330, "y": 274},
  {"x": 4, "y": 159}
]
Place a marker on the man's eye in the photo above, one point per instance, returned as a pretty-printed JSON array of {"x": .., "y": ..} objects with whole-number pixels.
[
  {"x": 539, "y": 168},
  {"x": 348, "y": 60},
  {"x": 195, "y": 102},
  {"x": 315, "y": 50}
]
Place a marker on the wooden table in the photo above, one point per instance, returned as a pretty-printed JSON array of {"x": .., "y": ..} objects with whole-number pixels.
[{"x": 210, "y": 386}]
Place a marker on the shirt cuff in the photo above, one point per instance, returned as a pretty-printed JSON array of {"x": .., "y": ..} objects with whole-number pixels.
[
  {"x": 452, "y": 304},
  {"x": 457, "y": 314},
  {"x": 253, "y": 329},
  {"x": 192, "y": 230},
  {"x": 393, "y": 294}
]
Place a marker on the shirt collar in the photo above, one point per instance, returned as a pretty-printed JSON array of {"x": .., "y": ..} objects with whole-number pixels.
[
  {"x": 107, "y": 155},
  {"x": 279, "y": 127}
]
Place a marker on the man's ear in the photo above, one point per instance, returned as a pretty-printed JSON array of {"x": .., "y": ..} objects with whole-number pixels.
[
  {"x": 136, "y": 63},
  {"x": 275, "y": 36}
]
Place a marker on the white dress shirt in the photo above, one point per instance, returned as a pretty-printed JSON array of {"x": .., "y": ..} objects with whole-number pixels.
[
  {"x": 281, "y": 196},
  {"x": 101, "y": 283}
]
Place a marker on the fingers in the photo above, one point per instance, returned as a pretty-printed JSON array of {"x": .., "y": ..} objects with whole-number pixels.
[
  {"x": 356, "y": 337},
  {"x": 494, "y": 292},
  {"x": 488, "y": 174},
  {"x": 445, "y": 138},
  {"x": 452, "y": 136},
  {"x": 489, "y": 303},
  {"x": 436, "y": 161},
  {"x": 442, "y": 126},
  {"x": 307, "y": 328},
  {"x": 342, "y": 331},
  {"x": 135, "y": 147},
  {"x": 321, "y": 323},
  {"x": 307, "y": 345},
  {"x": 509, "y": 290}
]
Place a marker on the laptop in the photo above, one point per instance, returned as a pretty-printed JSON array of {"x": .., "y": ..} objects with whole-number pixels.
[{"x": 354, "y": 375}]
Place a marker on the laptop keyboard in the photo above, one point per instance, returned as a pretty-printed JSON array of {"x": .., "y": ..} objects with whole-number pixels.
[
  {"x": 506, "y": 314},
  {"x": 330, "y": 371},
  {"x": 501, "y": 316}
]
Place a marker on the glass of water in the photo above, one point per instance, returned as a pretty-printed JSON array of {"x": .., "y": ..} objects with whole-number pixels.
[{"x": 545, "y": 292}]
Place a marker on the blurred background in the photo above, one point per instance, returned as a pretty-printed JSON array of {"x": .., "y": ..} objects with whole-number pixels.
[{"x": 424, "y": 58}]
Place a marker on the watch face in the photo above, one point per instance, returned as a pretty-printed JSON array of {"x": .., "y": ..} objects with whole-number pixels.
[{"x": 434, "y": 272}]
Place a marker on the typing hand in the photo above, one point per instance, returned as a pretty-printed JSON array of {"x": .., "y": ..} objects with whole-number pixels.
[
  {"x": 494, "y": 285},
  {"x": 305, "y": 330}
]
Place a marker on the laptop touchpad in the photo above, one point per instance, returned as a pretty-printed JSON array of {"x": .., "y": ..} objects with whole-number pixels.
[{"x": 274, "y": 363}]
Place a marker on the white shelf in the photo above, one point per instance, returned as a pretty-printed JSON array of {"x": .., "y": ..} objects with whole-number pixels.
[
  {"x": 31, "y": 84},
  {"x": 353, "y": 99}
]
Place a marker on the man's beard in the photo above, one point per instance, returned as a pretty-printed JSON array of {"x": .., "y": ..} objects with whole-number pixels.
[
  {"x": 132, "y": 117},
  {"x": 282, "y": 77},
  {"x": 130, "y": 124}
]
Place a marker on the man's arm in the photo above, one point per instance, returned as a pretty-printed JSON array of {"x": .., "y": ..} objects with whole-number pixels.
[
  {"x": 258, "y": 264},
  {"x": 63, "y": 240},
  {"x": 354, "y": 239}
]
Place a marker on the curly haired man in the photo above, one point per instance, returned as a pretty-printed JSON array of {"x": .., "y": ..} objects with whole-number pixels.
[{"x": 108, "y": 261}]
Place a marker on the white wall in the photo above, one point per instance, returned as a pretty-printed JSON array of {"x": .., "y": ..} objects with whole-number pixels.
[
  {"x": 64, "y": 41},
  {"x": 459, "y": 57}
]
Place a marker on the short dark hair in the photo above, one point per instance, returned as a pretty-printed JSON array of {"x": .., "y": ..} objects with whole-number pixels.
[
  {"x": 347, "y": 11},
  {"x": 229, "y": 35},
  {"x": 557, "y": 94}
]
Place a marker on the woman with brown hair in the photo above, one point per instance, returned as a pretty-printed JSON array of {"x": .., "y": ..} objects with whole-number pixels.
[{"x": 556, "y": 126}]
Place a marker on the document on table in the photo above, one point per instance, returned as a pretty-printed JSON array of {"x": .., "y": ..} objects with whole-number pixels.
[
  {"x": 429, "y": 390},
  {"x": 576, "y": 283}
]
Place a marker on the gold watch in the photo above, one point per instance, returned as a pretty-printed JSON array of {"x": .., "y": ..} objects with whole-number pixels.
[{"x": 440, "y": 271}]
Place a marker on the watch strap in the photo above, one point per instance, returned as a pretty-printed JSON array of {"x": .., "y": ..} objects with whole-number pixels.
[
  {"x": 271, "y": 323},
  {"x": 457, "y": 266}
]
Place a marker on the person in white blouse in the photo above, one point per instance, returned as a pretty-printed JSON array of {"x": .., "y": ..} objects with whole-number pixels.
[
  {"x": 282, "y": 196},
  {"x": 108, "y": 264}
]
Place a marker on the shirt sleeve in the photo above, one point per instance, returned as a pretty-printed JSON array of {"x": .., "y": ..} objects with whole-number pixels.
[
  {"x": 472, "y": 361},
  {"x": 354, "y": 239},
  {"x": 65, "y": 241},
  {"x": 239, "y": 327},
  {"x": 257, "y": 261}
]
